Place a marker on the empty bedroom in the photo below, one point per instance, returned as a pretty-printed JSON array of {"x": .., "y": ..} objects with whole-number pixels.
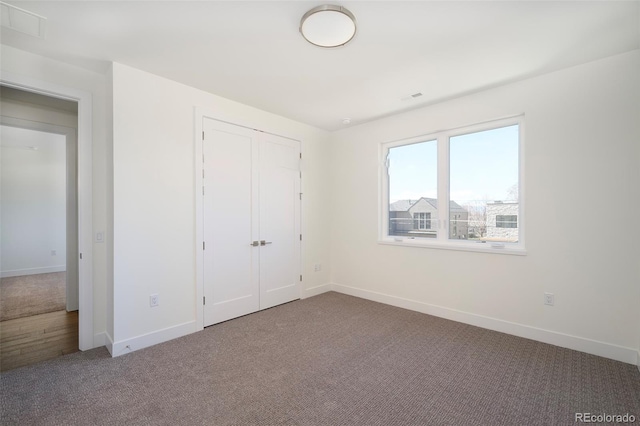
[{"x": 306, "y": 213}]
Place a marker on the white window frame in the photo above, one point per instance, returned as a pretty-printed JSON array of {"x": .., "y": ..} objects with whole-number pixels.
[{"x": 442, "y": 241}]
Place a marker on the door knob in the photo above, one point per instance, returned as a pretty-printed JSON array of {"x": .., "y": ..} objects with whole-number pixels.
[
  {"x": 264, "y": 243},
  {"x": 255, "y": 244}
]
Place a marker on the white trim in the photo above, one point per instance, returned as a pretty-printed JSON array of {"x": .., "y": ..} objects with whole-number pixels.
[
  {"x": 314, "y": 291},
  {"x": 85, "y": 182},
  {"x": 155, "y": 337},
  {"x": 301, "y": 289},
  {"x": 108, "y": 342},
  {"x": 522, "y": 199},
  {"x": 443, "y": 178},
  {"x": 594, "y": 347},
  {"x": 99, "y": 339},
  {"x": 199, "y": 114},
  {"x": 33, "y": 271},
  {"x": 459, "y": 246}
]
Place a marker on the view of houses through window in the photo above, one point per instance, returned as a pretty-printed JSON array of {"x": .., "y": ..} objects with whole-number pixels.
[{"x": 482, "y": 176}]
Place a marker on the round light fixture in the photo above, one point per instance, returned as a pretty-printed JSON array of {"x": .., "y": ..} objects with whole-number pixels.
[{"x": 328, "y": 26}]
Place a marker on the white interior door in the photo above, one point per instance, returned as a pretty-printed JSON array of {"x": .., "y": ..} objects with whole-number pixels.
[
  {"x": 230, "y": 220},
  {"x": 251, "y": 219},
  {"x": 279, "y": 220}
]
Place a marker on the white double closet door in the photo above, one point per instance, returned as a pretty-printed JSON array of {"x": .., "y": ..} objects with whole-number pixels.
[{"x": 251, "y": 219}]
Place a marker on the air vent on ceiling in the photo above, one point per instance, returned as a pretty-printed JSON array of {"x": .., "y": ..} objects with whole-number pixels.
[
  {"x": 22, "y": 20},
  {"x": 412, "y": 96}
]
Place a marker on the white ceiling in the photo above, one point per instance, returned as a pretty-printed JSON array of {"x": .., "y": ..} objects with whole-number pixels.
[{"x": 252, "y": 52}]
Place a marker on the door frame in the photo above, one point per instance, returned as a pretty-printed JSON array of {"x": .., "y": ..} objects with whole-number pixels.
[
  {"x": 84, "y": 192},
  {"x": 200, "y": 113}
]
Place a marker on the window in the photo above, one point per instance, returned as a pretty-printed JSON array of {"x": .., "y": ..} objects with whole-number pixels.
[
  {"x": 458, "y": 188},
  {"x": 414, "y": 187},
  {"x": 422, "y": 220},
  {"x": 506, "y": 221}
]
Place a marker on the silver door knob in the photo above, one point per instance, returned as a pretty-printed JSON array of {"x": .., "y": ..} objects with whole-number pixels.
[
  {"x": 255, "y": 244},
  {"x": 264, "y": 243}
]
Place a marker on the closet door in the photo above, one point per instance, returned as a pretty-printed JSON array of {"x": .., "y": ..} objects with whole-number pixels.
[
  {"x": 230, "y": 220},
  {"x": 251, "y": 219},
  {"x": 279, "y": 220}
]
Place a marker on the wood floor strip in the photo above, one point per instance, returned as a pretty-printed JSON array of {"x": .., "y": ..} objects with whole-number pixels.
[{"x": 28, "y": 340}]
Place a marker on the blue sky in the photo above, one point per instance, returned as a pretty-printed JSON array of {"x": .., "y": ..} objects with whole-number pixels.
[{"x": 483, "y": 166}]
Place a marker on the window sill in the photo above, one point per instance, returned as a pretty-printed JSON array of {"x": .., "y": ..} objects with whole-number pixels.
[{"x": 458, "y": 246}]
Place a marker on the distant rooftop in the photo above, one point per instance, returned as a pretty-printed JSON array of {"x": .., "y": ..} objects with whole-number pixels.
[
  {"x": 401, "y": 205},
  {"x": 405, "y": 205}
]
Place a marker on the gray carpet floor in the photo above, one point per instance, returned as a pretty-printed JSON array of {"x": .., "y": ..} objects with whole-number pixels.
[
  {"x": 327, "y": 360},
  {"x": 29, "y": 295}
]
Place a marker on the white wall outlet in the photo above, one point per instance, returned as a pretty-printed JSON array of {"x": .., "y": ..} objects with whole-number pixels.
[
  {"x": 154, "y": 300},
  {"x": 99, "y": 237},
  {"x": 317, "y": 267},
  {"x": 549, "y": 299},
  {"x": 54, "y": 253}
]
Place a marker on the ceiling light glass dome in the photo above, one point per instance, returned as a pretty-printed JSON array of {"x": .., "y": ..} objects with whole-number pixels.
[{"x": 328, "y": 26}]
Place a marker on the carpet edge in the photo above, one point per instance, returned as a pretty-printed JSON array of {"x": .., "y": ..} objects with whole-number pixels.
[{"x": 581, "y": 344}]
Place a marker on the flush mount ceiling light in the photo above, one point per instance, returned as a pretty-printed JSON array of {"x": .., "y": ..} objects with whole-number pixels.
[{"x": 328, "y": 26}]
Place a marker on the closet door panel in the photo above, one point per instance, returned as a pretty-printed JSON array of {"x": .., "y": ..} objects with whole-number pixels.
[
  {"x": 230, "y": 218},
  {"x": 279, "y": 220}
]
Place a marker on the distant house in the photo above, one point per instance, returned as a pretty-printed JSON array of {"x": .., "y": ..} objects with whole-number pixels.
[
  {"x": 502, "y": 221},
  {"x": 419, "y": 218}
]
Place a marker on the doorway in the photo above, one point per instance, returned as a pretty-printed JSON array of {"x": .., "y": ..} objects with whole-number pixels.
[
  {"x": 39, "y": 271},
  {"x": 87, "y": 338}
]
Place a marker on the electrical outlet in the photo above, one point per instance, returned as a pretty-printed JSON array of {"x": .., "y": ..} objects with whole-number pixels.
[
  {"x": 154, "y": 300},
  {"x": 54, "y": 253},
  {"x": 549, "y": 299},
  {"x": 318, "y": 267}
]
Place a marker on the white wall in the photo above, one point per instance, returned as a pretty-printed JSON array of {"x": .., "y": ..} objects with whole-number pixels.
[
  {"x": 45, "y": 69},
  {"x": 582, "y": 170},
  {"x": 33, "y": 202},
  {"x": 154, "y": 201}
]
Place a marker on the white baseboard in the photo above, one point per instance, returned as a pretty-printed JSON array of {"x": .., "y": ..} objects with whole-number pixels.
[
  {"x": 314, "y": 291},
  {"x": 139, "y": 342},
  {"x": 33, "y": 271},
  {"x": 594, "y": 347}
]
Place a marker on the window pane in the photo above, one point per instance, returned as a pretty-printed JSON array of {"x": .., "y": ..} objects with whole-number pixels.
[
  {"x": 413, "y": 190},
  {"x": 483, "y": 182},
  {"x": 506, "y": 221}
]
